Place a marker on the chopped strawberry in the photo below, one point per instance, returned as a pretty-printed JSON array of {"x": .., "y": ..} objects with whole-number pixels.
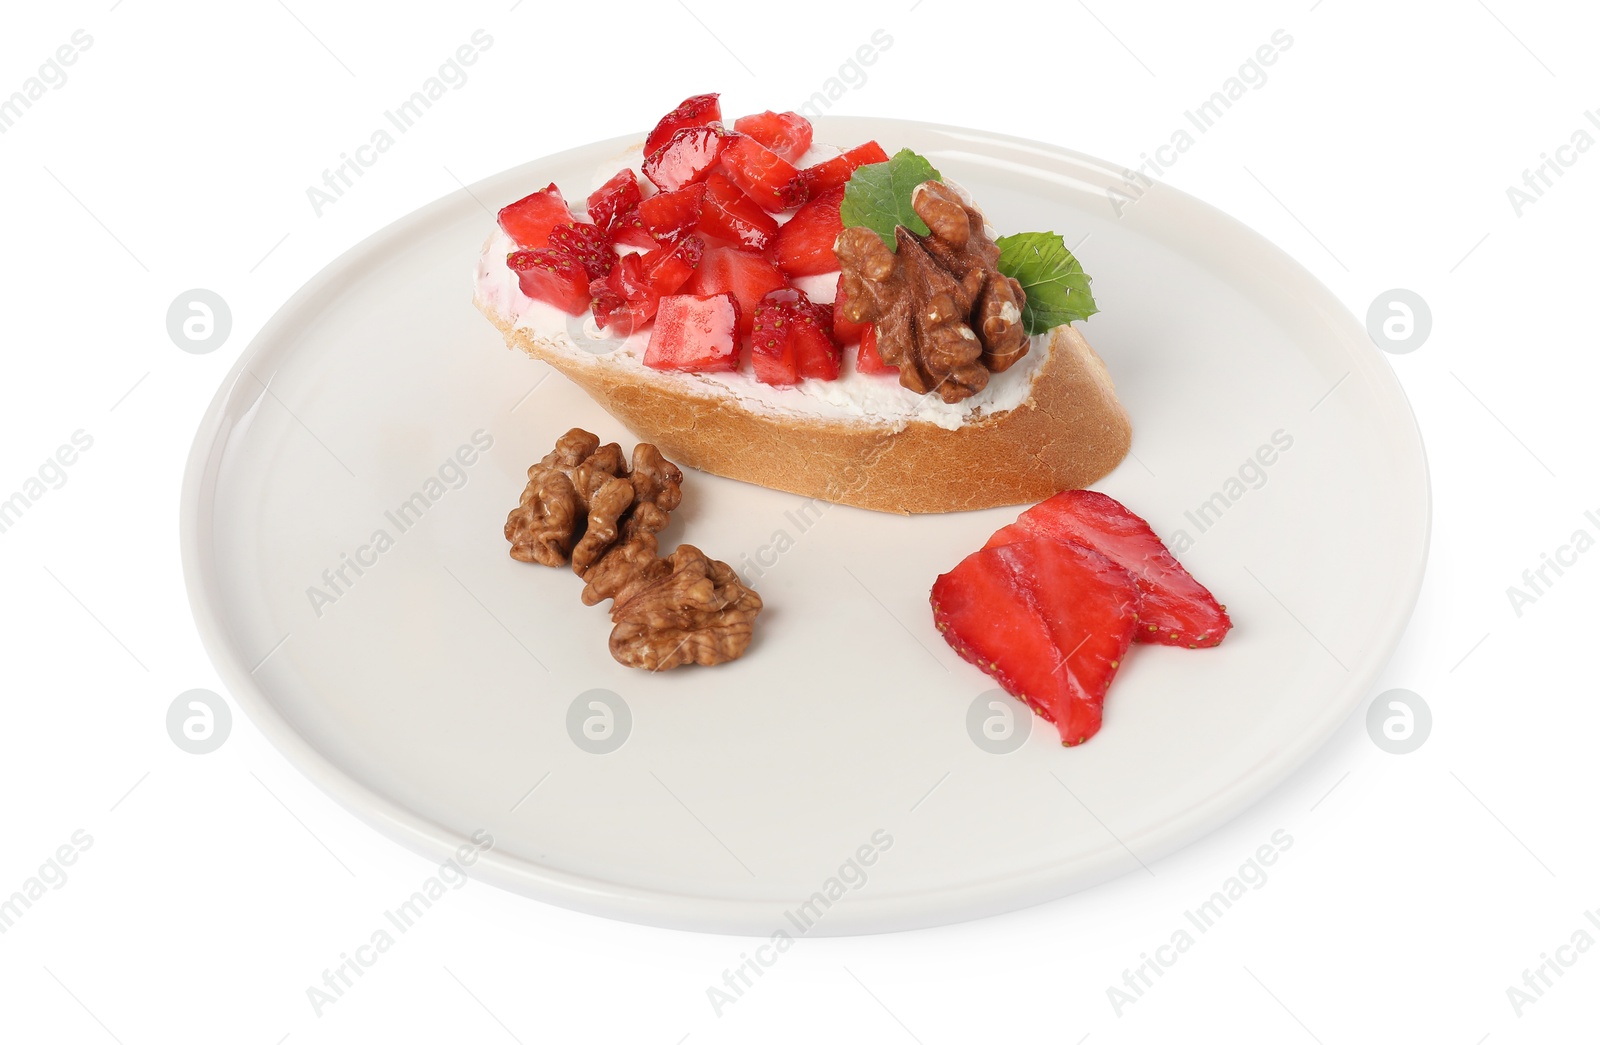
[
  {"x": 868, "y": 361},
  {"x": 804, "y": 244},
  {"x": 787, "y": 134},
  {"x": 695, "y": 333},
  {"x": 728, "y": 214},
  {"x": 611, "y": 201},
  {"x": 1051, "y": 621},
  {"x": 748, "y": 277},
  {"x": 553, "y": 276},
  {"x": 792, "y": 338},
  {"x": 529, "y": 220},
  {"x": 698, "y": 111},
  {"x": 686, "y": 158},
  {"x": 630, "y": 230},
  {"x": 832, "y": 174},
  {"x": 586, "y": 245},
  {"x": 668, "y": 216},
  {"x": 1174, "y": 608},
  {"x": 845, "y": 331},
  {"x": 631, "y": 295},
  {"x": 761, "y": 174}
]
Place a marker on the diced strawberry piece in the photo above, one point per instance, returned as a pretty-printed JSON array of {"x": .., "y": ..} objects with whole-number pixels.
[
  {"x": 832, "y": 174},
  {"x": 792, "y": 338},
  {"x": 630, "y": 229},
  {"x": 762, "y": 174},
  {"x": 695, "y": 333},
  {"x": 845, "y": 331},
  {"x": 698, "y": 111},
  {"x": 728, "y": 214},
  {"x": 614, "y": 199},
  {"x": 804, "y": 244},
  {"x": 1174, "y": 608},
  {"x": 668, "y": 216},
  {"x": 788, "y": 134},
  {"x": 630, "y": 297},
  {"x": 553, "y": 276},
  {"x": 686, "y": 158},
  {"x": 586, "y": 245},
  {"x": 868, "y": 361},
  {"x": 748, "y": 277},
  {"x": 1051, "y": 621},
  {"x": 529, "y": 220}
]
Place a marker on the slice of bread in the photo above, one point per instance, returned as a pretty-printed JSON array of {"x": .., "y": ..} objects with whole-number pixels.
[{"x": 1065, "y": 431}]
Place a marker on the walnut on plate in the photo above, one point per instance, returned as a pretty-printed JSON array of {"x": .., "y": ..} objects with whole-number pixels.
[
  {"x": 944, "y": 313},
  {"x": 584, "y": 505}
]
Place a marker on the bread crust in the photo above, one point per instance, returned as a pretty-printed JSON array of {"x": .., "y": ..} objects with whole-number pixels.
[{"x": 1069, "y": 432}]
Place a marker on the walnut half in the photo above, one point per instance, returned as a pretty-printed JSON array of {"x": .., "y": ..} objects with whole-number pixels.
[
  {"x": 697, "y": 613},
  {"x": 944, "y": 313}
]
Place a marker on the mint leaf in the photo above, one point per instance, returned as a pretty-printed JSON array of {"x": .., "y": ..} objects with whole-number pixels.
[
  {"x": 878, "y": 195},
  {"x": 1056, "y": 285}
]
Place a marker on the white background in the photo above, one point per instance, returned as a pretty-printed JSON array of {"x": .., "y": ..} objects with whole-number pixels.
[{"x": 219, "y": 887}]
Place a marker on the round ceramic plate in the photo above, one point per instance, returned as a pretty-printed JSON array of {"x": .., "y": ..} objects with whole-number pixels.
[{"x": 341, "y": 535}]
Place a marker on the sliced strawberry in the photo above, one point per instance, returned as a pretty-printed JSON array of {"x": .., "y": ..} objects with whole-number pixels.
[
  {"x": 804, "y": 244},
  {"x": 787, "y": 134},
  {"x": 695, "y": 333},
  {"x": 629, "y": 229},
  {"x": 614, "y": 199},
  {"x": 1050, "y": 621},
  {"x": 748, "y": 277},
  {"x": 792, "y": 338},
  {"x": 586, "y": 245},
  {"x": 868, "y": 361},
  {"x": 698, "y": 111},
  {"x": 529, "y": 220},
  {"x": 553, "y": 276},
  {"x": 686, "y": 158},
  {"x": 1174, "y": 608},
  {"x": 729, "y": 215},
  {"x": 668, "y": 216},
  {"x": 845, "y": 332},
  {"x": 762, "y": 174},
  {"x": 832, "y": 174},
  {"x": 631, "y": 295}
]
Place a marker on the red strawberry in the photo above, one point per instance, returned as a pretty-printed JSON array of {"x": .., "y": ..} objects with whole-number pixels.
[
  {"x": 698, "y": 111},
  {"x": 529, "y": 220},
  {"x": 1174, "y": 608},
  {"x": 1050, "y": 621},
  {"x": 687, "y": 157},
  {"x": 698, "y": 334},
  {"x": 762, "y": 174},
  {"x": 748, "y": 277},
  {"x": 868, "y": 361},
  {"x": 804, "y": 244},
  {"x": 792, "y": 338},
  {"x": 787, "y": 134},
  {"x": 845, "y": 332},
  {"x": 728, "y": 214},
  {"x": 586, "y": 245},
  {"x": 668, "y": 216},
  {"x": 553, "y": 276},
  {"x": 832, "y": 174},
  {"x": 630, "y": 230},
  {"x": 611, "y": 201},
  {"x": 629, "y": 298}
]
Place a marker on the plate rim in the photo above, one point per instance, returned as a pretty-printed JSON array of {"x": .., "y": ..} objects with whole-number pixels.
[{"x": 912, "y": 910}]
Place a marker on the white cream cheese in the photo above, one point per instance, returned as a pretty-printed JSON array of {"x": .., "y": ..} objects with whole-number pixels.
[{"x": 873, "y": 398}]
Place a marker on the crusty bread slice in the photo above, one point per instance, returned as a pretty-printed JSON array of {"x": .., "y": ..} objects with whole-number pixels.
[{"x": 1068, "y": 432}]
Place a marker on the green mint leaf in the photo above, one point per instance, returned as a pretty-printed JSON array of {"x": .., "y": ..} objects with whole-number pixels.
[
  {"x": 1056, "y": 285},
  {"x": 878, "y": 195}
]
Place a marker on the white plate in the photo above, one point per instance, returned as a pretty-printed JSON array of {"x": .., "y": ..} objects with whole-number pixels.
[{"x": 433, "y": 692}]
